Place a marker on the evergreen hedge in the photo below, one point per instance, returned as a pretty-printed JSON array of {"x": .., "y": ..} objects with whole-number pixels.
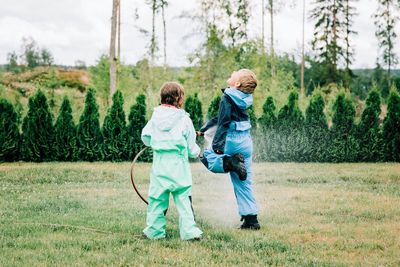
[
  {"x": 38, "y": 131},
  {"x": 115, "y": 131},
  {"x": 88, "y": 136},
  {"x": 65, "y": 133},
  {"x": 9, "y": 132}
]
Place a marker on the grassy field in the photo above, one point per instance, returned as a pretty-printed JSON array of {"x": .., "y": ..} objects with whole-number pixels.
[{"x": 311, "y": 214}]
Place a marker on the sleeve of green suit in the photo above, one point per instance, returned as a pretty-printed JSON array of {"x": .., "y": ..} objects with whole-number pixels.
[
  {"x": 193, "y": 148},
  {"x": 146, "y": 135}
]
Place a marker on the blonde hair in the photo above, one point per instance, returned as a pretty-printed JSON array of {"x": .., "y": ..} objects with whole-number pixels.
[
  {"x": 247, "y": 80},
  {"x": 172, "y": 93}
]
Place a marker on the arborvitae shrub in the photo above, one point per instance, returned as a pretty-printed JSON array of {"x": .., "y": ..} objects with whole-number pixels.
[
  {"x": 38, "y": 130},
  {"x": 137, "y": 121},
  {"x": 194, "y": 108},
  {"x": 368, "y": 132},
  {"x": 265, "y": 147},
  {"x": 89, "y": 137},
  {"x": 343, "y": 143},
  {"x": 65, "y": 133},
  {"x": 115, "y": 131},
  {"x": 290, "y": 138},
  {"x": 316, "y": 129},
  {"x": 268, "y": 116},
  {"x": 9, "y": 132},
  {"x": 391, "y": 129},
  {"x": 213, "y": 107}
]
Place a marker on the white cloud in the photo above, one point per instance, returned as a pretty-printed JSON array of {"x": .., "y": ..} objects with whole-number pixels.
[{"x": 74, "y": 29}]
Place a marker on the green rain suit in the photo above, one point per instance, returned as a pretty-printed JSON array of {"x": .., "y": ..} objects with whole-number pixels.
[{"x": 171, "y": 135}]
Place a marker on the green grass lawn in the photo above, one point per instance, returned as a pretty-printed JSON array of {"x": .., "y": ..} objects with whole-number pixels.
[{"x": 311, "y": 214}]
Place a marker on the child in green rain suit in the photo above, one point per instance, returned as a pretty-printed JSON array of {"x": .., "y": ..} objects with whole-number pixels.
[{"x": 171, "y": 135}]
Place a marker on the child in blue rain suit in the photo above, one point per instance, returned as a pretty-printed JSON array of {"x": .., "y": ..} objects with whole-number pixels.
[
  {"x": 232, "y": 148},
  {"x": 171, "y": 135}
]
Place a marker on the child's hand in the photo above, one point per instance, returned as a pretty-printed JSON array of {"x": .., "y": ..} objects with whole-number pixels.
[
  {"x": 199, "y": 134},
  {"x": 219, "y": 152}
]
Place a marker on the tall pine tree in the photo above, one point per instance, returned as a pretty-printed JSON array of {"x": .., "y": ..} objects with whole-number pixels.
[
  {"x": 114, "y": 130},
  {"x": 368, "y": 133},
  {"x": 38, "y": 130},
  {"x": 385, "y": 22},
  {"x": 329, "y": 31},
  {"x": 89, "y": 137},
  {"x": 9, "y": 132},
  {"x": 391, "y": 129},
  {"x": 65, "y": 133}
]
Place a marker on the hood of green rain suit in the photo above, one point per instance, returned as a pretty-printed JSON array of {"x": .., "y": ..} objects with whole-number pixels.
[{"x": 170, "y": 129}]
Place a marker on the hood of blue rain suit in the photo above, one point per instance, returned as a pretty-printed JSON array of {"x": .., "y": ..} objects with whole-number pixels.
[
  {"x": 242, "y": 100},
  {"x": 166, "y": 118}
]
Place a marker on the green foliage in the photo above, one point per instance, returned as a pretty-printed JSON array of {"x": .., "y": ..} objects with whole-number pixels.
[
  {"x": 316, "y": 129},
  {"x": 9, "y": 132},
  {"x": 213, "y": 108},
  {"x": 89, "y": 137},
  {"x": 136, "y": 122},
  {"x": 268, "y": 117},
  {"x": 343, "y": 144},
  {"x": 391, "y": 129},
  {"x": 290, "y": 136},
  {"x": 194, "y": 108},
  {"x": 38, "y": 130},
  {"x": 65, "y": 133},
  {"x": 266, "y": 135},
  {"x": 13, "y": 63},
  {"x": 114, "y": 130},
  {"x": 100, "y": 75},
  {"x": 252, "y": 117},
  {"x": 368, "y": 132}
]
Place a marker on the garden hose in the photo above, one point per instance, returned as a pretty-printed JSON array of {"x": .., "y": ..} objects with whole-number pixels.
[{"x": 132, "y": 175}]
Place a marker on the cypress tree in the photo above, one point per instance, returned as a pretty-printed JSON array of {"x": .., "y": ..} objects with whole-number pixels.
[
  {"x": 368, "y": 132},
  {"x": 391, "y": 129},
  {"x": 252, "y": 117},
  {"x": 265, "y": 137},
  {"x": 290, "y": 134},
  {"x": 213, "y": 107},
  {"x": 89, "y": 138},
  {"x": 38, "y": 130},
  {"x": 316, "y": 129},
  {"x": 65, "y": 133},
  {"x": 343, "y": 145},
  {"x": 9, "y": 132},
  {"x": 194, "y": 108},
  {"x": 115, "y": 131},
  {"x": 268, "y": 117},
  {"x": 137, "y": 121}
]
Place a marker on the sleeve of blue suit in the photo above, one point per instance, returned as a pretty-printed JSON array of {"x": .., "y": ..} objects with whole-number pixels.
[{"x": 224, "y": 119}]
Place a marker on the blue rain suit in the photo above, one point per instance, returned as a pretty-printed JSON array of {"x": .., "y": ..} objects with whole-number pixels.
[
  {"x": 171, "y": 135},
  {"x": 233, "y": 136}
]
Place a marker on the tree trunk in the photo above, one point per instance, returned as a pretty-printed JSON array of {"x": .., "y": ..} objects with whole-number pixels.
[
  {"x": 302, "y": 51},
  {"x": 165, "y": 35},
  {"x": 119, "y": 30},
  {"x": 271, "y": 7},
  {"x": 153, "y": 33},
  {"x": 262, "y": 25},
  {"x": 113, "y": 58}
]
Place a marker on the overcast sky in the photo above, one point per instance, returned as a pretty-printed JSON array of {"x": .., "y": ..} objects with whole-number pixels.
[{"x": 80, "y": 29}]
